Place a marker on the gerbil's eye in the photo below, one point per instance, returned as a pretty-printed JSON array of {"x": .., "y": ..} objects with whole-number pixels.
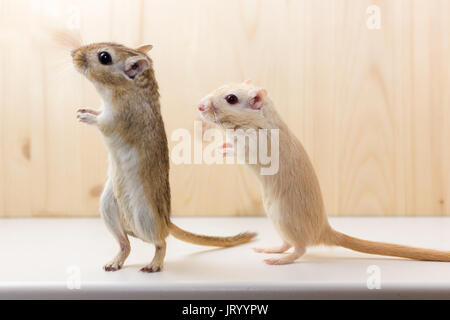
[
  {"x": 232, "y": 99},
  {"x": 104, "y": 58}
]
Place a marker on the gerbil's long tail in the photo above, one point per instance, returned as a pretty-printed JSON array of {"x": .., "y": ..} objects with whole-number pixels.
[
  {"x": 332, "y": 237},
  {"x": 210, "y": 240}
]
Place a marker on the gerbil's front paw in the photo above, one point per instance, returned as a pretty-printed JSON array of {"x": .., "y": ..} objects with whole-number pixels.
[
  {"x": 88, "y": 116},
  {"x": 266, "y": 250},
  {"x": 227, "y": 150},
  {"x": 112, "y": 267},
  {"x": 152, "y": 268},
  {"x": 87, "y": 110},
  {"x": 281, "y": 249}
]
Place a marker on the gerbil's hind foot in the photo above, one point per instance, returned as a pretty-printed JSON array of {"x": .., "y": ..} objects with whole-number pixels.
[
  {"x": 113, "y": 266},
  {"x": 158, "y": 260},
  {"x": 152, "y": 268},
  {"x": 119, "y": 260},
  {"x": 280, "y": 249},
  {"x": 288, "y": 259}
]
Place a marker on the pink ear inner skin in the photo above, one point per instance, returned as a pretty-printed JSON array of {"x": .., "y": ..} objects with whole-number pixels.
[
  {"x": 131, "y": 73},
  {"x": 135, "y": 68},
  {"x": 257, "y": 100}
]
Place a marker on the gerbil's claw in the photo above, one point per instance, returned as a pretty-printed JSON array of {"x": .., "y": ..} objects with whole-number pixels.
[{"x": 151, "y": 268}]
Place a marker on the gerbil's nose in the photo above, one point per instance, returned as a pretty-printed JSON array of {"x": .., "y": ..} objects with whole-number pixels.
[
  {"x": 76, "y": 52},
  {"x": 204, "y": 107},
  {"x": 206, "y": 104}
]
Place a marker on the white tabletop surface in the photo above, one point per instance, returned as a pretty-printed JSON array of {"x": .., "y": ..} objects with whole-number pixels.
[{"x": 51, "y": 258}]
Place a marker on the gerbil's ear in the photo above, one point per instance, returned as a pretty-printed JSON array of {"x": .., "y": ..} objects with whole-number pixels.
[
  {"x": 145, "y": 48},
  {"x": 256, "y": 98},
  {"x": 134, "y": 66}
]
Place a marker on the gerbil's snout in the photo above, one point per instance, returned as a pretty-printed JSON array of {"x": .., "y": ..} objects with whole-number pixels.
[
  {"x": 206, "y": 107},
  {"x": 203, "y": 107},
  {"x": 79, "y": 59},
  {"x": 76, "y": 52},
  {"x": 206, "y": 104}
]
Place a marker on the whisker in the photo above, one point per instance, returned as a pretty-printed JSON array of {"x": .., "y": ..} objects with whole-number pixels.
[{"x": 66, "y": 39}]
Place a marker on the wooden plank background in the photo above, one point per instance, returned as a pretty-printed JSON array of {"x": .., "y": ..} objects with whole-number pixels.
[{"x": 372, "y": 107}]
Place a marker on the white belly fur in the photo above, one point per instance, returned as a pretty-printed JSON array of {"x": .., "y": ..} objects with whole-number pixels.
[{"x": 137, "y": 216}]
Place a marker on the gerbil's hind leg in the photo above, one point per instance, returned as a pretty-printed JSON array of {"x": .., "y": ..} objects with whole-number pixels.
[
  {"x": 117, "y": 263},
  {"x": 158, "y": 260},
  {"x": 280, "y": 249},
  {"x": 288, "y": 259},
  {"x": 111, "y": 215}
]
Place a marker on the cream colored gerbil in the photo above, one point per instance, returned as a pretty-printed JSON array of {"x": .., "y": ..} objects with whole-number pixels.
[
  {"x": 292, "y": 197},
  {"x": 136, "y": 197}
]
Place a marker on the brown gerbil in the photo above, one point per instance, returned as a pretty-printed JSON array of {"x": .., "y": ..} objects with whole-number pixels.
[
  {"x": 292, "y": 196},
  {"x": 136, "y": 198}
]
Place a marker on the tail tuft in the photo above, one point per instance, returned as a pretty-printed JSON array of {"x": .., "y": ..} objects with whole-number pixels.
[{"x": 212, "y": 241}]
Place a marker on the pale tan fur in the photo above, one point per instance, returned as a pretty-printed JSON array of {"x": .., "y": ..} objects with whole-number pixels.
[
  {"x": 292, "y": 197},
  {"x": 136, "y": 199}
]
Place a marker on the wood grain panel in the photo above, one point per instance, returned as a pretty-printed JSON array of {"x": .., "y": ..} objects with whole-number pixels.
[{"x": 370, "y": 106}]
